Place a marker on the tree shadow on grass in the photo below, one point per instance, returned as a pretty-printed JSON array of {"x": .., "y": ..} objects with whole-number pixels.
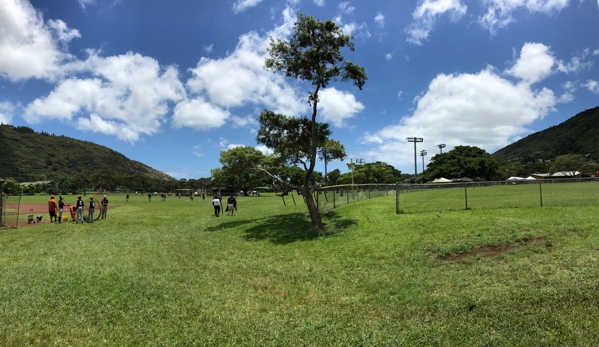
[{"x": 287, "y": 228}]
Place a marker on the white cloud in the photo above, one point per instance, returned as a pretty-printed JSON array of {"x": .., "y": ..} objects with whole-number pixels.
[
  {"x": 127, "y": 96},
  {"x": 199, "y": 114},
  {"x": 534, "y": 64},
  {"x": 596, "y": 52},
  {"x": 208, "y": 49},
  {"x": 7, "y": 110},
  {"x": 336, "y": 106},
  {"x": 388, "y": 56},
  {"x": 499, "y": 12},
  {"x": 576, "y": 64},
  {"x": 84, "y": 3},
  {"x": 380, "y": 19},
  {"x": 399, "y": 94},
  {"x": 242, "y": 5},
  {"x": 463, "y": 109},
  {"x": 265, "y": 150},
  {"x": 239, "y": 79},
  {"x": 592, "y": 86},
  {"x": 319, "y": 3},
  {"x": 346, "y": 8},
  {"x": 197, "y": 151},
  {"x": 426, "y": 14},
  {"x": 28, "y": 47}
]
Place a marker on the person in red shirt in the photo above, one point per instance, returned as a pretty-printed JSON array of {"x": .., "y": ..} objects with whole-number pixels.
[{"x": 52, "y": 208}]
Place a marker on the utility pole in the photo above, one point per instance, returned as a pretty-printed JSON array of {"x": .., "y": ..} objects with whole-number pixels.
[{"x": 415, "y": 140}]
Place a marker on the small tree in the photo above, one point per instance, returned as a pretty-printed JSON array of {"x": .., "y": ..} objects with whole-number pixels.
[{"x": 313, "y": 54}]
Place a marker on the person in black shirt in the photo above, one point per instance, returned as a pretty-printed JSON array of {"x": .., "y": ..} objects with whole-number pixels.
[
  {"x": 79, "y": 215},
  {"x": 61, "y": 204},
  {"x": 92, "y": 206},
  {"x": 231, "y": 205},
  {"x": 104, "y": 207}
]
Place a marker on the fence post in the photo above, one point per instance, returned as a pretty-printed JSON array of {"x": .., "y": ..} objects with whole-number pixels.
[
  {"x": 347, "y": 195},
  {"x": 466, "y": 194},
  {"x": 334, "y": 193},
  {"x": 541, "y": 193},
  {"x": 397, "y": 198}
]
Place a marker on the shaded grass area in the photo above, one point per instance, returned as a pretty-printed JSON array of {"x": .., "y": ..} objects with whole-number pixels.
[{"x": 172, "y": 274}]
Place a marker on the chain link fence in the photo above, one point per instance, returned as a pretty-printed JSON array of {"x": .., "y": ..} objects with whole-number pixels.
[
  {"x": 11, "y": 211},
  {"x": 418, "y": 198}
]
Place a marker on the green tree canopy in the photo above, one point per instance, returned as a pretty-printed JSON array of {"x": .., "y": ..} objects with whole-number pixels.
[
  {"x": 377, "y": 172},
  {"x": 463, "y": 161},
  {"x": 239, "y": 168},
  {"x": 312, "y": 54}
]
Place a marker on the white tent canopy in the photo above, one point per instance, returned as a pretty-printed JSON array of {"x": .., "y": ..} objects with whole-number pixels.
[{"x": 441, "y": 180}]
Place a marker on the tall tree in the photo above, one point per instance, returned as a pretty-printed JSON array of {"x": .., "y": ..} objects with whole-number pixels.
[
  {"x": 463, "y": 161},
  {"x": 330, "y": 150},
  {"x": 239, "y": 168},
  {"x": 313, "y": 54}
]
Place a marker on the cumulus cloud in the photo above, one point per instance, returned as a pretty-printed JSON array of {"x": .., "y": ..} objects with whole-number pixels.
[
  {"x": 336, "y": 106},
  {"x": 379, "y": 19},
  {"x": 199, "y": 114},
  {"x": 534, "y": 64},
  {"x": 499, "y": 12},
  {"x": 319, "y": 3},
  {"x": 388, "y": 56},
  {"x": 208, "y": 49},
  {"x": 127, "y": 96},
  {"x": 481, "y": 109},
  {"x": 242, "y": 5},
  {"x": 7, "y": 110},
  {"x": 426, "y": 15},
  {"x": 28, "y": 47}
]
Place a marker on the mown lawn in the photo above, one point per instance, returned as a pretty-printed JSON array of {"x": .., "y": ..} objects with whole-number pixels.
[{"x": 171, "y": 274}]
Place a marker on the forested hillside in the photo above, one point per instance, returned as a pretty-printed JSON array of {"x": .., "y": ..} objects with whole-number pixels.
[
  {"x": 577, "y": 135},
  {"x": 29, "y": 156}
]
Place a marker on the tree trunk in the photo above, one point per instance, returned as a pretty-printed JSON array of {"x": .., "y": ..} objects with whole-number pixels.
[{"x": 312, "y": 209}]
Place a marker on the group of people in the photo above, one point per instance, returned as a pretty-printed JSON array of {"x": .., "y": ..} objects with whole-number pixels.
[
  {"x": 56, "y": 209},
  {"x": 231, "y": 205}
]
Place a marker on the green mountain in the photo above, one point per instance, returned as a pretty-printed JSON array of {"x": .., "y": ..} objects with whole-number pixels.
[
  {"x": 577, "y": 135},
  {"x": 29, "y": 156}
]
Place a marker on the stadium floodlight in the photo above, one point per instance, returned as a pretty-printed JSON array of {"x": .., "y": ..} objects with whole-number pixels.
[
  {"x": 415, "y": 140},
  {"x": 441, "y": 146},
  {"x": 422, "y": 154}
]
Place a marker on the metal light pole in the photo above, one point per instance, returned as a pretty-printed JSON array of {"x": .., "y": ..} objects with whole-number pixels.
[
  {"x": 422, "y": 154},
  {"x": 415, "y": 139},
  {"x": 441, "y": 146}
]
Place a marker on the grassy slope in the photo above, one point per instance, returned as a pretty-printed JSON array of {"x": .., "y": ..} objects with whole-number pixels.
[{"x": 170, "y": 274}]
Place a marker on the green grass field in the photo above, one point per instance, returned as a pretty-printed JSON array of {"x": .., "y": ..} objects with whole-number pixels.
[{"x": 171, "y": 274}]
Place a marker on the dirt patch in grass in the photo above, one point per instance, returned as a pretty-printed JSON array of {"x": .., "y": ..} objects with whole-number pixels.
[{"x": 493, "y": 251}]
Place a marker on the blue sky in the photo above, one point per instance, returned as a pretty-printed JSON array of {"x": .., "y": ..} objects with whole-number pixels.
[{"x": 171, "y": 83}]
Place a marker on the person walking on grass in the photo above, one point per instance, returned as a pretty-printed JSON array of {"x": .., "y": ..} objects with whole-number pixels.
[
  {"x": 127, "y": 197},
  {"x": 61, "y": 205},
  {"x": 104, "y": 207},
  {"x": 216, "y": 204},
  {"x": 231, "y": 205},
  {"x": 52, "y": 208},
  {"x": 92, "y": 207},
  {"x": 79, "y": 213}
]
